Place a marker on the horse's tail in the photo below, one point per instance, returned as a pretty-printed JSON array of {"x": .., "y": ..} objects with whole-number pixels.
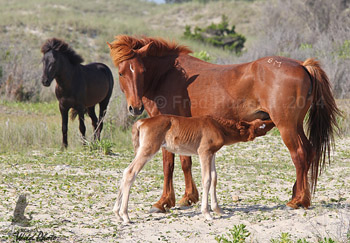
[
  {"x": 322, "y": 120},
  {"x": 135, "y": 131},
  {"x": 73, "y": 114}
]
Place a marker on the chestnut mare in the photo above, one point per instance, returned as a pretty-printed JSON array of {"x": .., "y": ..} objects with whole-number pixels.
[
  {"x": 187, "y": 136},
  {"x": 78, "y": 86},
  {"x": 162, "y": 77}
]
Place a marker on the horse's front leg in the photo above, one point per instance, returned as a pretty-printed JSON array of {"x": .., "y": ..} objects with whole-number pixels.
[
  {"x": 64, "y": 115},
  {"x": 168, "y": 198},
  {"x": 191, "y": 192}
]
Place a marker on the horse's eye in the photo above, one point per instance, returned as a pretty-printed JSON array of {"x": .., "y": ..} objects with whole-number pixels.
[{"x": 120, "y": 74}]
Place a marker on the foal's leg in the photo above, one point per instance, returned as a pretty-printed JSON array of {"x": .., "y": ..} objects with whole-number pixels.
[
  {"x": 191, "y": 192},
  {"x": 64, "y": 115},
  {"x": 121, "y": 206},
  {"x": 94, "y": 120},
  {"x": 168, "y": 197},
  {"x": 214, "y": 201},
  {"x": 82, "y": 127},
  {"x": 206, "y": 160}
]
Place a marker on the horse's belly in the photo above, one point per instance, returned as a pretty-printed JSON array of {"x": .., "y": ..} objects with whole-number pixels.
[{"x": 180, "y": 149}]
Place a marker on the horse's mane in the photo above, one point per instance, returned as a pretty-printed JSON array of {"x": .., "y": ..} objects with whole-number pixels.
[
  {"x": 124, "y": 46},
  {"x": 231, "y": 124},
  {"x": 62, "y": 47}
]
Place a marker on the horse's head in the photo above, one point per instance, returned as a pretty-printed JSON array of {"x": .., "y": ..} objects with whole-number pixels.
[
  {"x": 50, "y": 67},
  {"x": 132, "y": 78}
]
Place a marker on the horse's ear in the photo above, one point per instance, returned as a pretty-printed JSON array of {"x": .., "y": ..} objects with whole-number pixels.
[
  {"x": 243, "y": 124},
  {"x": 109, "y": 45},
  {"x": 145, "y": 49}
]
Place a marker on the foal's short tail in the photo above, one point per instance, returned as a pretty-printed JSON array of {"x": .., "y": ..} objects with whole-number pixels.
[
  {"x": 74, "y": 113},
  {"x": 135, "y": 131},
  {"x": 322, "y": 118}
]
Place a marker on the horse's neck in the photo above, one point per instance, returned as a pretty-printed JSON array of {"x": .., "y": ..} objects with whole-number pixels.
[
  {"x": 156, "y": 68},
  {"x": 230, "y": 131},
  {"x": 65, "y": 76}
]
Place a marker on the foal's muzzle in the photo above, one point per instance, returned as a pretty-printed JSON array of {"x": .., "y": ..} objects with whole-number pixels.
[{"x": 136, "y": 111}]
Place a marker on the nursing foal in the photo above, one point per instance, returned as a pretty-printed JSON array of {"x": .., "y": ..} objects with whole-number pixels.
[{"x": 185, "y": 136}]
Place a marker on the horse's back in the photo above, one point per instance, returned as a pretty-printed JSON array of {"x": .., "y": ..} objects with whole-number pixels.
[{"x": 99, "y": 82}]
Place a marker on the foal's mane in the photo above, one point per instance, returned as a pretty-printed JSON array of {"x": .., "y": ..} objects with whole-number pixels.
[
  {"x": 124, "y": 47},
  {"x": 231, "y": 124},
  {"x": 62, "y": 47}
]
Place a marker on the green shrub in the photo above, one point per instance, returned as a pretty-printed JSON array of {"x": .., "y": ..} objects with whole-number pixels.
[
  {"x": 237, "y": 234},
  {"x": 203, "y": 55},
  {"x": 219, "y": 35}
]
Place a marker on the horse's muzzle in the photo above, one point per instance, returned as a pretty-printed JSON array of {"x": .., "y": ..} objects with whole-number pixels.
[
  {"x": 136, "y": 111},
  {"x": 46, "y": 82}
]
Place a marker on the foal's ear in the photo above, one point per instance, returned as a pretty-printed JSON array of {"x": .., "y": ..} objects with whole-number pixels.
[
  {"x": 143, "y": 51},
  {"x": 243, "y": 124}
]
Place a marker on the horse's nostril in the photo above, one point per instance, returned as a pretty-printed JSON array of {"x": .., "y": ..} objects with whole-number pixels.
[{"x": 131, "y": 109}]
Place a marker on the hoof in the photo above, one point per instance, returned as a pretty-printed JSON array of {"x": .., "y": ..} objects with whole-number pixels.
[
  {"x": 292, "y": 205},
  {"x": 184, "y": 202},
  {"x": 156, "y": 210},
  {"x": 218, "y": 211},
  {"x": 208, "y": 217}
]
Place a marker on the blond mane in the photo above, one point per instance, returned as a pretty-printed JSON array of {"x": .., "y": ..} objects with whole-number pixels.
[{"x": 124, "y": 47}]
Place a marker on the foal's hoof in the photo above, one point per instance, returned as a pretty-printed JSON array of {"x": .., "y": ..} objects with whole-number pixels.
[{"x": 156, "y": 210}]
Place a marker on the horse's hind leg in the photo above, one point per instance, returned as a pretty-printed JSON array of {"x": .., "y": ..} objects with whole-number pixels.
[
  {"x": 103, "y": 110},
  {"x": 191, "y": 192},
  {"x": 82, "y": 127},
  {"x": 94, "y": 120},
  {"x": 214, "y": 201},
  {"x": 206, "y": 161},
  {"x": 298, "y": 148}
]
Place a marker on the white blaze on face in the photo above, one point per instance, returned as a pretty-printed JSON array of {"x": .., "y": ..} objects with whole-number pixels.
[{"x": 132, "y": 70}]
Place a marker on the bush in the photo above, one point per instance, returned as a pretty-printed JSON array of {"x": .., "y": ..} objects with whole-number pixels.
[
  {"x": 219, "y": 35},
  {"x": 203, "y": 55},
  {"x": 238, "y": 234}
]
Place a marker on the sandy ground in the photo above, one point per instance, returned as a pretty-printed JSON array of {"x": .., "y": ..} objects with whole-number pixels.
[{"x": 70, "y": 195}]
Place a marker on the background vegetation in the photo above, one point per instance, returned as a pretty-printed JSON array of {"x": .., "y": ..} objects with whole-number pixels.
[
  {"x": 71, "y": 192},
  {"x": 298, "y": 29}
]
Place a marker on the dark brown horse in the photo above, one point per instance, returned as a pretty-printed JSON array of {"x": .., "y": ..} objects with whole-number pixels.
[
  {"x": 78, "y": 86},
  {"x": 163, "y": 78}
]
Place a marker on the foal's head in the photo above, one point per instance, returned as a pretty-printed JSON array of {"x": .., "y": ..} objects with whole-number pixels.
[
  {"x": 255, "y": 128},
  {"x": 55, "y": 52}
]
